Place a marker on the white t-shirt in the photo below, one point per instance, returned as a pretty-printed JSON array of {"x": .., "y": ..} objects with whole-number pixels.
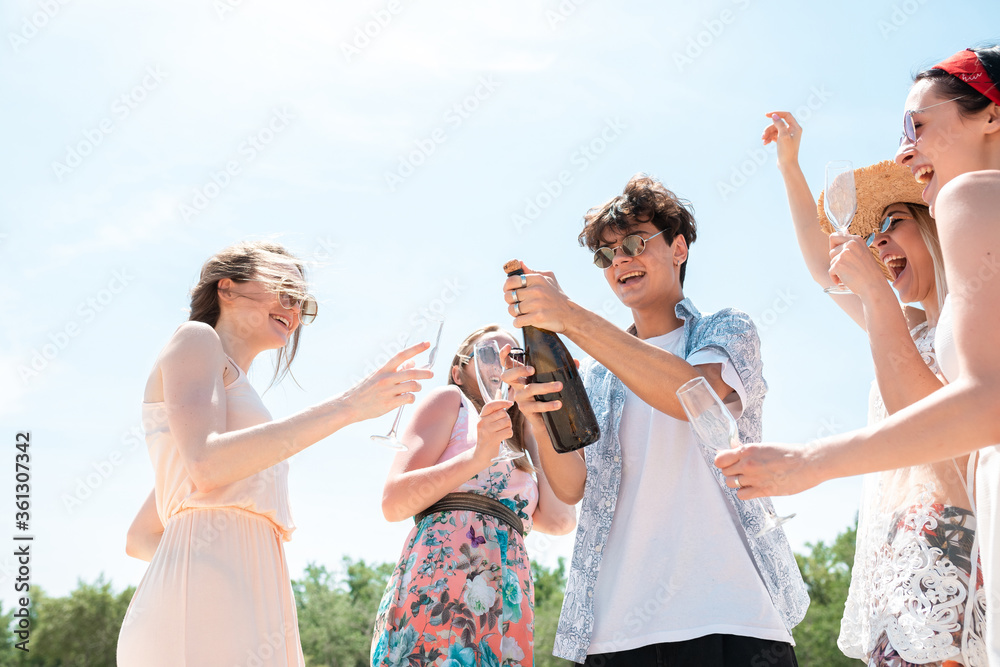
[{"x": 675, "y": 566}]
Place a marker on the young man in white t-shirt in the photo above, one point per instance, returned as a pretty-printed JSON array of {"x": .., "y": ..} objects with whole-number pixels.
[{"x": 664, "y": 570}]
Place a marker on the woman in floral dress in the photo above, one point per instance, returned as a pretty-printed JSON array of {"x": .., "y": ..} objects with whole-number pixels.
[{"x": 461, "y": 594}]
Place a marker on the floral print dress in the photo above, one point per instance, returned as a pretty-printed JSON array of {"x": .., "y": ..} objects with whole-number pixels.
[{"x": 461, "y": 594}]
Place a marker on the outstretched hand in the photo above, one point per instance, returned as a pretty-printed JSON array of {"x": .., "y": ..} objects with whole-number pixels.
[
  {"x": 389, "y": 387},
  {"x": 767, "y": 469},
  {"x": 786, "y": 133}
]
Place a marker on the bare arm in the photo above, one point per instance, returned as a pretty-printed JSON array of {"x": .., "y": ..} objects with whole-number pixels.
[
  {"x": 551, "y": 515},
  {"x": 651, "y": 373},
  {"x": 959, "y": 418},
  {"x": 416, "y": 480},
  {"x": 195, "y": 401},
  {"x": 786, "y": 133},
  {"x": 903, "y": 376},
  {"x": 145, "y": 532}
]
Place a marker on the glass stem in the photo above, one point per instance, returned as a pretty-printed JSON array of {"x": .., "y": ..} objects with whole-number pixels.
[{"x": 395, "y": 423}]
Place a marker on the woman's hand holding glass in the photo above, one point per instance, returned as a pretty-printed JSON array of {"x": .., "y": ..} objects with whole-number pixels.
[
  {"x": 489, "y": 374},
  {"x": 852, "y": 265},
  {"x": 494, "y": 428}
]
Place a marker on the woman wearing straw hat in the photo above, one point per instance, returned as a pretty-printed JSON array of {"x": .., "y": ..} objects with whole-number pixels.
[{"x": 916, "y": 554}]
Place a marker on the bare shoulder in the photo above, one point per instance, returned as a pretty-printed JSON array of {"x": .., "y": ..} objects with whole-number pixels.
[
  {"x": 442, "y": 401},
  {"x": 192, "y": 345},
  {"x": 193, "y": 341},
  {"x": 970, "y": 199}
]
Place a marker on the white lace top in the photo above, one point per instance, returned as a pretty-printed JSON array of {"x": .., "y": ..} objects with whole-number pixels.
[{"x": 916, "y": 554}]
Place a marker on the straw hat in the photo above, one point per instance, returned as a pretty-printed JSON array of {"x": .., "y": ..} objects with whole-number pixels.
[{"x": 878, "y": 185}]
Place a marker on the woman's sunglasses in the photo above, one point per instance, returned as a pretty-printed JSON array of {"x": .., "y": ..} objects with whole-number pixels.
[
  {"x": 632, "y": 246},
  {"x": 886, "y": 225},
  {"x": 308, "y": 308},
  {"x": 909, "y": 131}
]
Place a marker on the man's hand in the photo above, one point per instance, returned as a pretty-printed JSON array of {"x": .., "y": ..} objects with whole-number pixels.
[{"x": 535, "y": 299}]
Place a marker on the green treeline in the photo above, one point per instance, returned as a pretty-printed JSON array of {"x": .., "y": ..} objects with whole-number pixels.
[{"x": 337, "y": 608}]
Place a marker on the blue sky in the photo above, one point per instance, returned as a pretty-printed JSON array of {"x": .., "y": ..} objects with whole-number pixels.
[{"x": 405, "y": 150}]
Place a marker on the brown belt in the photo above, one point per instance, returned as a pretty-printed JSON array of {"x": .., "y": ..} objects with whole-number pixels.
[{"x": 473, "y": 502}]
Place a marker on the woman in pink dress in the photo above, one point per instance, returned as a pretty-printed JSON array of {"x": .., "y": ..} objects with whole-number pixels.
[
  {"x": 217, "y": 591},
  {"x": 462, "y": 590}
]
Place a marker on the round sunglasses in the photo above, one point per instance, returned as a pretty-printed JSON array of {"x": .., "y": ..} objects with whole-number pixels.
[
  {"x": 308, "y": 308},
  {"x": 885, "y": 226},
  {"x": 632, "y": 245},
  {"x": 909, "y": 130}
]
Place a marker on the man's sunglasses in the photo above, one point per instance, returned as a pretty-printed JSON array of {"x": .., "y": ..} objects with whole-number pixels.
[{"x": 632, "y": 246}]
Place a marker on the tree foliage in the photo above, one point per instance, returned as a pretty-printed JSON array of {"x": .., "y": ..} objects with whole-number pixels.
[{"x": 827, "y": 573}]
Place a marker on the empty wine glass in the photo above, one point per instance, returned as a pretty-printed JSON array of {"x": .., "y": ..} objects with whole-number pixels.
[
  {"x": 840, "y": 202},
  {"x": 716, "y": 428},
  {"x": 489, "y": 368},
  {"x": 423, "y": 361}
]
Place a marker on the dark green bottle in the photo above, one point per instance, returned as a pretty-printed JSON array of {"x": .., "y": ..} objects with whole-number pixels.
[{"x": 573, "y": 425}]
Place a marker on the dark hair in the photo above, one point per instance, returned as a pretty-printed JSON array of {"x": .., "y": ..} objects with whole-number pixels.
[
  {"x": 644, "y": 199},
  {"x": 462, "y": 357},
  {"x": 971, "y": 100},
  {"x": 243, "y": 262}
]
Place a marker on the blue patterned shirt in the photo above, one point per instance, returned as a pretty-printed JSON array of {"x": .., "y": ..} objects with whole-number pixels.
[{"x": 733, "y": 333}]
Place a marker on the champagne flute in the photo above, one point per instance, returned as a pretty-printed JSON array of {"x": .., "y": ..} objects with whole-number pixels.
[
  {"x": 716, "y": 428},
  {"x": 423, "y": 361},
  {"x": 840, "y": 202},
  {"x": 489, "y": 368}
]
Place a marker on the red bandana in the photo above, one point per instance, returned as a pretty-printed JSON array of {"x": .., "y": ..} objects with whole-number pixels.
[{"x": 966, "y": 66}]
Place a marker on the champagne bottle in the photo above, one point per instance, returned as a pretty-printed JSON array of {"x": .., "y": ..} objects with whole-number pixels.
[{"x": 573, "y": 425}]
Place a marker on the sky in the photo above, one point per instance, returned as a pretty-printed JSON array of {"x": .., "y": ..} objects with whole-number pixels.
[{"x": 405, "y": 151}]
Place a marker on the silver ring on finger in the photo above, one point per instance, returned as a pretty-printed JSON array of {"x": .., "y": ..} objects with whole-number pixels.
[
  {"x": 513, "y": 294},
  {"x": 517, "y": 309},
  {"x": 524, "y": 281},
  {"x": 738, "y": 485}
]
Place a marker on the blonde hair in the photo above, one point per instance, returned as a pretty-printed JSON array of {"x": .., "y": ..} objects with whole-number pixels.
[
  {"x": 462, "y": 357},
  {"x": 928, "y": 231},
  {"x": 242, "y": 262}
]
